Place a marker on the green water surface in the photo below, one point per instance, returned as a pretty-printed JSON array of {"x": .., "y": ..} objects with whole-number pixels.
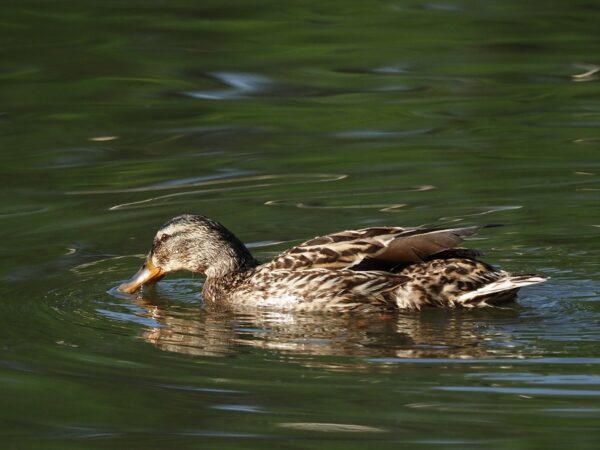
[{"x": 287, "y": 120}]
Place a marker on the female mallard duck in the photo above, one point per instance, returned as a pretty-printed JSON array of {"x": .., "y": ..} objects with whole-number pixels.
[{"x": 373, "y": 269}]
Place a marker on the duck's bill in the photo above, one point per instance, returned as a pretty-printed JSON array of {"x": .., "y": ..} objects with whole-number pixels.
[{"x": 148, "y": 274}]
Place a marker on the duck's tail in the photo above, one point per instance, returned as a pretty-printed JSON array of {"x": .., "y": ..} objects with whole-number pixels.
[{"x": 499, "y": 291}]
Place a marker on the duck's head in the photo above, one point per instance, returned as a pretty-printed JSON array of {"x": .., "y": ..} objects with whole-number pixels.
[{"x": 192, "y": 243}]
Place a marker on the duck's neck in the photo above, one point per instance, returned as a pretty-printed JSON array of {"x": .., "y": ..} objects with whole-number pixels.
[
  {"x": 220, "y": 289},
  {"x": 231, "y": 260},
  {"x": 225, "y": 277}
]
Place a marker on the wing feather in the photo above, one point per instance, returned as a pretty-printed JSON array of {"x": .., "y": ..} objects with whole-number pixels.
[
  {"x": 348, "y": 249},
  {"x": 417, "y": 247}
]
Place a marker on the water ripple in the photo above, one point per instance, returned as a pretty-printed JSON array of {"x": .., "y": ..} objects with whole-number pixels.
[
  {"x": 216, "y": 180},
  {"x": 381, "y": 134},
  {"x": 383, "y": 207},
  {"x": 24, "y": 212},
  {"x": 529, "y": 378},
  {"x": 262, "y": 181},
  {"x": 331, "y": 427},
  {"x": 592, "y": 73},
  {"x": 522, "y": 391},
  {"x": 240, "y": 85}
]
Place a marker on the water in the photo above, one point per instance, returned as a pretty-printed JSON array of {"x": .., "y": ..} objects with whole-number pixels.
[{"x": 285, "y": 122}]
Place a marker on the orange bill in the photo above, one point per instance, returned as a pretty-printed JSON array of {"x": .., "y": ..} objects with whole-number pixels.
[{"x": 148, "y": 274}]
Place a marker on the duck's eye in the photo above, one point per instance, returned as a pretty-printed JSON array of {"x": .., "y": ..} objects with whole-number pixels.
[{"x": 165, "y": 237}]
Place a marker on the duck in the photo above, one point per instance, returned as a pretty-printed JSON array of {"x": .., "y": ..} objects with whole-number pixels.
[{"x": 364, "y": 270}]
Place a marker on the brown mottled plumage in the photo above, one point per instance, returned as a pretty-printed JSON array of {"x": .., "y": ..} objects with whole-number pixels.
[{"x": 373, "y": 269}]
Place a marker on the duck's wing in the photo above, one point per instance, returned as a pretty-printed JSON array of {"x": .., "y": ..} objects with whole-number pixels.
[{"x": 371, "y": 248}]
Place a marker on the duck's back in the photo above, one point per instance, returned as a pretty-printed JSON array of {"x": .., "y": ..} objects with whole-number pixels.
[
  {"x": 373, "y": 269},
  {"x": 441, "y": 283}
]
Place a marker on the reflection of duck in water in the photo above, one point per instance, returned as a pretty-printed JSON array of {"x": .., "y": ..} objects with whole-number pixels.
[
  {"x": 373, "y": 269},
  {"x": 187, "y": 329}
]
